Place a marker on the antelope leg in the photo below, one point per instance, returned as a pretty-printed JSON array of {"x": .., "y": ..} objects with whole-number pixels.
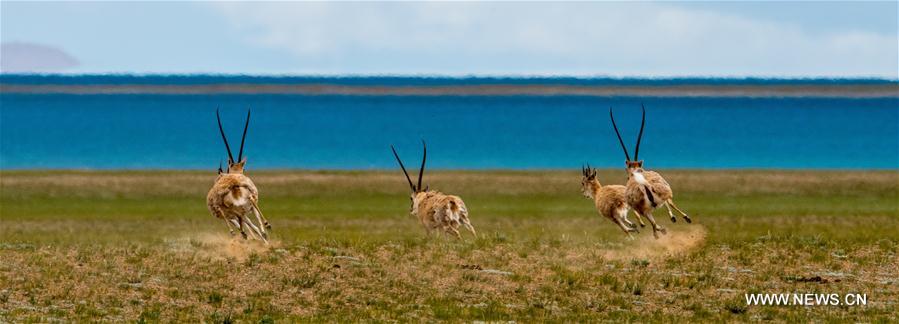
[
  {"x": 656, "y": 228},
  {"x": 639, "y": 218},
  {"x": 230, "y": 226},
  {"x": 255, "y": 230},
  {"x": 240, "y": 227},
  {"x": 627, "y": 221},
  {"x": 262, "y": 220},
  {"x": 686, "y": 218},
  {"x": 670, "y": 213},
  {"x": 262, "y": 224},
  {"x": 627, "y": 230},
  {"x": 470, "y": 228},
  {"x": 455, "y": 232}
]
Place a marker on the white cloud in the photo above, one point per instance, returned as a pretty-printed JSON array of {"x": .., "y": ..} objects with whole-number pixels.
[{"x": 645, "y": 39}]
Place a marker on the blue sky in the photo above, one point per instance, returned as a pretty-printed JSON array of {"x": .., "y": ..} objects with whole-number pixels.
[{"x": 793, "y": 39}]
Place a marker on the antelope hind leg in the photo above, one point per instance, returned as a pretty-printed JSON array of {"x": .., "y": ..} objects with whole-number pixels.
[
  {"x": 670, "y": 214},
  {"x": 455, "y": 232},
  {"x": 639, "y": 218},
  {"x": 262, "y": 224},
  {"x": 627, "y": 230},
  {"x": 240, "y": 227},
  {"x": 230, "y": 226},
  {"x": 656, "y": 228},
  {"x": 260, "y": 216},
  {"x": 628, "y": 221},
  {"x": 470, "y": 228},
  {"x": 259, "y": 235},
  {"x": 686, "y": 218}
]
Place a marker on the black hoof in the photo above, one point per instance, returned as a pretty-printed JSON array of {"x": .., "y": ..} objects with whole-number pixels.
[
  {"x": 673, "y": 219},
  {"x": 244, "y": 235},
  {"x": 642, "y": 225},
  {"x": 268, "y": 226},
  {"x": 687, "y": 219}
]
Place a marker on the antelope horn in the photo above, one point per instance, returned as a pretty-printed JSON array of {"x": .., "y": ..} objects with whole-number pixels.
[
  {"x": 640, "y": 136},
  {"x": 424, "y": 158},
  {"x": 403, "y": 167},
  {"x": 619, "y": 135},
  {"x": 222, "y": 131},
  {"x": 244, "y": 137}
]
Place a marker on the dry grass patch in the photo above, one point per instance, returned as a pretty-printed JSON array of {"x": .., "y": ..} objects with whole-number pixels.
[{"x": 133, "y": 246}]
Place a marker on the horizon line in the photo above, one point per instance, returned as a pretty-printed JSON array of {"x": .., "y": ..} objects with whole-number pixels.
[{"x": 449, "y": 76}]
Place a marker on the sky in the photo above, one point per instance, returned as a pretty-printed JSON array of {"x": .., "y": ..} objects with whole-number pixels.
[{"x": 638, "y": 39}]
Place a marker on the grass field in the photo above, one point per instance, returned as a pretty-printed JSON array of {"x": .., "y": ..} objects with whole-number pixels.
[{"x": 126, "y": 246}]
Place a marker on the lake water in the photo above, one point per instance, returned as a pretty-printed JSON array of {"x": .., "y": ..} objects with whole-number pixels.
[{"x": 51, "y": 131}]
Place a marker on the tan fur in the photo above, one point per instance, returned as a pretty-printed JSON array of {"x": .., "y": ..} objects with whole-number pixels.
[
  {"x": 646, "y": 190},
  {"x": 438, "y": 211},
  {"x": 660, "y": 189},
  {"x": 610, "y": 201},
  {"x": 234, "y": 195},
  {"x": 645, "y": 197},
  {"x": 435, "y": 210},
  {"x": 232, "y": 198}
]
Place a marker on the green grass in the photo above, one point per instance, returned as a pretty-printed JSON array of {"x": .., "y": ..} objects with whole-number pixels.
[{"x": 141, "y": 246}]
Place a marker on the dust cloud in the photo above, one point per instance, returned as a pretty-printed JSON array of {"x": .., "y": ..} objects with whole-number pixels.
[
  {"x": 220, "y": 246},
  {"x": 678, "y": 241}
]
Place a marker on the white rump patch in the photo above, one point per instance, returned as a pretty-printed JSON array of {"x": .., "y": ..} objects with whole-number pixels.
[
  {"x": 241, "y": 200},
  {"x": 638, "y": 176}
]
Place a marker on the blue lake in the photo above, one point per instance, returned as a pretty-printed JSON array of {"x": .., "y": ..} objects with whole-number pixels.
[{"x": 44, "y": 131}]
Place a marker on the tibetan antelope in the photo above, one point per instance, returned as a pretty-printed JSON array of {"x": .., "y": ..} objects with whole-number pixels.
[
  {"x": 234, "y": 196},
  {"x": 646, "y": 190},
  {"x": 435, "y": 210},
  {"x": 610, "y": 200}
]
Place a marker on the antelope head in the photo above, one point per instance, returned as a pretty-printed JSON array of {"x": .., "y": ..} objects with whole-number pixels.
[
  {"x": 417, "y": 190},
  {"x": 635, "y": 165},
  {"x": 234, "y": 166},
  {"x": 589, "y": 183}
]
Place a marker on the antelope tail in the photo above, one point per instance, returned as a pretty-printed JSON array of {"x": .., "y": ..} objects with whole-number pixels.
[
  {"x": 235, "y": 192},
  {"x": 453, "y": 207}
]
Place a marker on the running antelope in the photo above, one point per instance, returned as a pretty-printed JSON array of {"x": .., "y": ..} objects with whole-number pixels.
[
  {"x": 435, "y": 210},
  {"x": 610, "y": 200},
  {"x": 646, "y": 190},
  {"x": 234, "y": 195}
]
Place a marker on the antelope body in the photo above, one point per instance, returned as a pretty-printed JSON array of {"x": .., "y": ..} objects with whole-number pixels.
[
  {"x": 234, "y": 195},
  {"x": 435, "y": 210},
  {"x": 646, "y": 190},
  {"x": 610, "y": 200}
]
